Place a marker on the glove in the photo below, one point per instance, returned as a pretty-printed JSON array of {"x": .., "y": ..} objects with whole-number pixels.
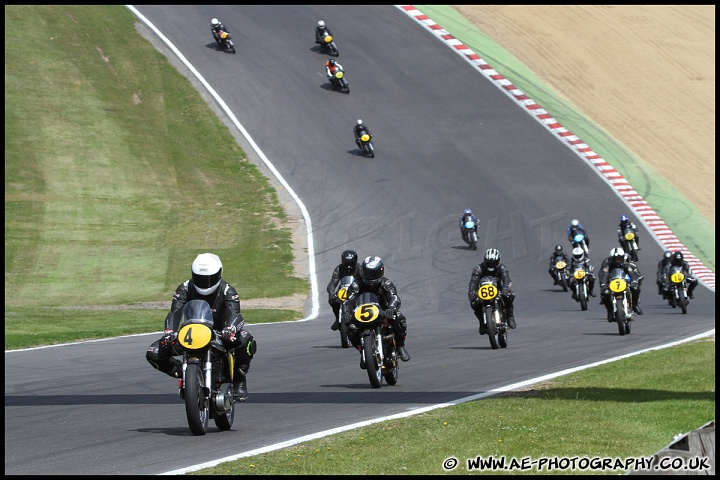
[
  {"x": 228, "y": 333},
  {"x": 633, "y": 285},
  {"x": 390, "y": 312},
  {"x": 170, "y": 337},
  {"x": 505, "y": 292}
]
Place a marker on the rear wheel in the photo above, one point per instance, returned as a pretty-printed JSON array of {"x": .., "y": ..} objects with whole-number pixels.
[
  {"x": 374, "y": 369},
  {"x": 392, "y": 364},
  {"x": 491, "y": 326},
  {"x": 344, "y": 342},
  {"x": 196, "y": 405},
  {"x": 620, "y": 319}
]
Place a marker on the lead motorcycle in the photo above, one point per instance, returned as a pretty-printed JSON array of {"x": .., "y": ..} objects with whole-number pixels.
[
  {"x": 366, "y": 145},
  {"x": 621, "y": 298},
  {"x": 493, "y": 309},
  {"x": 678, "y": 294},
  {"x": 329, "y": 44},
  {"x": 224, "y": 41},
  {"x": 341, "y": 294},
  {"x": 206, "y": 385},
  {"x": 377, "y": 340},
  {"x": 628, "y": 243},
  {"x": 469, "y": 234}
]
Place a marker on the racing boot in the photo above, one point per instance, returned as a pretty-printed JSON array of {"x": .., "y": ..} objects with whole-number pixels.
[
  {"x": 363, "y": 365},
  {"x": 510, "y": 317},
  {"x": 637, "y": 309},
  {"x": 402, "y": 351},
  {"x": 482, "y": 330},
  {"x": 240, "y": 383},
  {"x": 175, "y": 368},
  {"x": 335, "y": 326}
]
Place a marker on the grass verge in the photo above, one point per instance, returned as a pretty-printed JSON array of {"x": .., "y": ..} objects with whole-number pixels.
[{"x": 622, "y": 410}]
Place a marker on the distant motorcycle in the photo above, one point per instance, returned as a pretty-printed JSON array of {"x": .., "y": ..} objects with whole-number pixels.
[
  {"x": 338, "y": 81},
  {"x": 678, "y": 296},
  {"x": 207, "y": 384},
  {"x": 493, "y": 308},
  {"x": 366, "y": 144},
  {"x": 469, "y": 234},
  {"x": 628, "y": 243},
  {"x": 224, "y": 41},
  {"x": 621, "y": 299},
  {"x": 579, "y": 241},
  {"x": 376, "y": 339},
  {"x": 329, "y": 44}
]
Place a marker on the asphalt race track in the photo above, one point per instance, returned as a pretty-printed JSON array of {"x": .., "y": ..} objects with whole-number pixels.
[{"x": 446, "y": 139}]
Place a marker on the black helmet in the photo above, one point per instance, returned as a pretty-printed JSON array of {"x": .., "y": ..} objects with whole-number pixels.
[
  {"x": 491, "y": 259},
  {"x": 677, "y": 258},
  {"x": 624, "y": 220},
  {"x": 558, "y": 250},
  {"x": 372, "y": 270},
  {"x": 332, "y": 62},
  {"x": 349, "y": 258},
  {"x": 206, "y": 273}
]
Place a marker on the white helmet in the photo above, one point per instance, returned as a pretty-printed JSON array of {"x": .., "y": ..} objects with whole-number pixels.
[
  {"x": 617, "y": 254},
  {"x": 359, "y": 121},
  {"x": 214, "y": 22},
  {"x": 578, "y": 254},
  {"x": 321, "y": 24},
  {"x": 575, "y": 222},
  {"x": 206, "y": 273}
]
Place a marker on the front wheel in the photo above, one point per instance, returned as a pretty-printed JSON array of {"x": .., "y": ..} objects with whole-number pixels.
[
  {"x": 682, "y": 299},
  {"x": 374, "y": 369},
  {"x": 620, "y": 319},
  {"x": 344, "y": 341},
  {"x": 491, "y": 326},
  {"x": 583, "y": 298},
  {"x": 196, "y": 405}
]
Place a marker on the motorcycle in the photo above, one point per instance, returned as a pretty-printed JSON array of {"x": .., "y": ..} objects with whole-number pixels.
[
  {"x": 561, "y": 274},
  {"x": 678, "y": 289},
  {"x": 329, "y": 44},
  {"x": 581, "y": 286},
  {"x": 628, "y": 243},
  {"x": 579, "y": 241},
  {"x": 470, "y": 234},
  {"x": 621, "y": 299},
  {"x": 206, "y": 385},
  {"x": 224, "y": 41},
  {"x": 377, "y": 340},
  {"x": 341, "y": 293},
  {"x": 493, "y": 307},
  {"x": 366, "y": 145},
  {"x": 338, "y": 81}
]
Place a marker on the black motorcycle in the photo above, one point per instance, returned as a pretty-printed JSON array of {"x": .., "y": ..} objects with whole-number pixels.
[
  {"x": 621, "y": 298},
  {"x": 366, "y": 145},
  {"x": 678, "y": 294},
  {"x": 207, "y": 384},
  {"x": 224, "y": 41},
  {"x": 469, "y": 234},
  {"x": 341, "y": 293},
  {"x": 327, "y": 43},
  {"x": 493, "y": 308},
  {"x": 338, "y": 81},
  {"x": 377, "y": 340},
  {"x": 580, "y": 286},
  {"x": 628, "y": 243},
  {"x": 560, "y": 273}
]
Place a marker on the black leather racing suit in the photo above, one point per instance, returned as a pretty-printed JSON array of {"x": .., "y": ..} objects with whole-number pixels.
[
  {"x": 339, "y": 272},
  {"x": 501, "y": 272},
  {"x": 225, "y": 305},
  {"x": 388, "y": 297}
]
